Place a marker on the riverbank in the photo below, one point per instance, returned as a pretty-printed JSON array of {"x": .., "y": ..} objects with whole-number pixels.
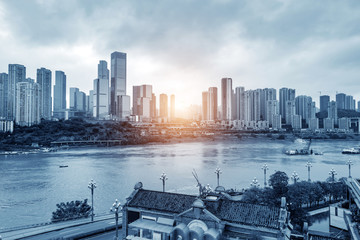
[{"x": 79, "y": 132}]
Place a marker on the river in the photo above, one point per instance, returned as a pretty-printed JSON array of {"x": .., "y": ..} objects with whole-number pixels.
[{"x": 32, "y": 184}]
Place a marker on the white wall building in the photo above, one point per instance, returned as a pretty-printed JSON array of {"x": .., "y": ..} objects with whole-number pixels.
[{"x": 28, "y": 95}]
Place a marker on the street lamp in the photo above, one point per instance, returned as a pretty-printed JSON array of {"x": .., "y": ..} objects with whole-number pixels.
[
  {"x": 308, "y": 165},
  {"x": 332, "y": 173},
  {"x": 295, "y": 177},
  {"x": 265, "y": 168},
  {"x": 349, "y": 163},
  {"x": 218, "y": 172},
  {"x": 115, "y": 208},
  {"x": 163, "y": 178},
  {"x": 255, "y": 183},
  {"x": 92, "y": 186}
]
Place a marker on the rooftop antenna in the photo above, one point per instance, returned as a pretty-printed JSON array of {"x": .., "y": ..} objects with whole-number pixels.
[{"x": 197, "y": 179}]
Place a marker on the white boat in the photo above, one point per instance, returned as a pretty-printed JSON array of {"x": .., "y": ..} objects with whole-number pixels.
[{"x": 350, "y": 151}]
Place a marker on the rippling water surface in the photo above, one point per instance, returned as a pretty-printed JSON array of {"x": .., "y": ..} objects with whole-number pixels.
[{"x": 31, "y": 185}]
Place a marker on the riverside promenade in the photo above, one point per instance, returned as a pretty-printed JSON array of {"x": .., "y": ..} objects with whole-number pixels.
[{"x": 75, "y": 229}]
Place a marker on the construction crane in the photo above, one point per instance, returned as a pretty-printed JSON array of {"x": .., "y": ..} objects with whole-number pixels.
[{"x": 198, "y": 182}]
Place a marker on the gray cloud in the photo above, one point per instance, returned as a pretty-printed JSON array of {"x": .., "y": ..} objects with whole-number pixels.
[{"x": 308, "y": 45}]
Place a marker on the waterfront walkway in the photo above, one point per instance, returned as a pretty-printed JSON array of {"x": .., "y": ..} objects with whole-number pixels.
[{"x": 68, "y": 230}]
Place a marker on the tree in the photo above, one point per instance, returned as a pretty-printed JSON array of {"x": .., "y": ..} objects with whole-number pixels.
[
  {"x": 279, "y": 182},
  {"x": 71, "y": 210}
]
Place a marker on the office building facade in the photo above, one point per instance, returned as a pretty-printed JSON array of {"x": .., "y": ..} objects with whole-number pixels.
[
  {"x": 101, "y": 92},
  {"x": 3, "y": 95},
  {"x": 118, "y": 80}
]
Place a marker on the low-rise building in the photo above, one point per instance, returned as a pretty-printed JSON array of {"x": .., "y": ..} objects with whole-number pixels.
[{"x": 149, "y": 214}]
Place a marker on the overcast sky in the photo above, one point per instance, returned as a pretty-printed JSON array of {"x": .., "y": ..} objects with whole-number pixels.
[{"x": 183, "y": 47}]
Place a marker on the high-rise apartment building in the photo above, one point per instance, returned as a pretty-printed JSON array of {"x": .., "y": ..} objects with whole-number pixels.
[
  {"x": 324, "y": 102},
  {"x": 226, "y": 98},
  {"x": 101, "y": 92},
  {"x": 43, "y": 78},
  {"x": 59, "y": 95},
  {"x": 286, "y": 94},
  {"x": 304, "y": 107},
  {"x": 204, "y": 106},
  {"x": 332, "y": 111},
  {"x": 3, "y": 94},
  {"x": 289, "y": 111},
  {"x": 163, "y": 105},
  {"x": 17, "y": 73},
  {"x": 28, "y": 96},
  {"x": 266, "y": 94},
  {"x": 340, "y": 100},
  {"x": 212, "y": 104},
  {"x": 272, "y": 108},
  {"x": 118, "y": 80},
  {"x": 153, "y": 106},
  {"x": 240, "y": 103},
  {"x": 172, "y": 107}
]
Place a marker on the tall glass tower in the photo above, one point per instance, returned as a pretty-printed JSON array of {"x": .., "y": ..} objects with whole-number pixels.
[
  {"x": 60, "y": 94},
  {"x": 118, "y": 79}
]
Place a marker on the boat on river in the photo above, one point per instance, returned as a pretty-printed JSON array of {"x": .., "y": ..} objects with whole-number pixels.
[
  {"x": 305, "y": 151},
  {"x": 351, "y": 151}
]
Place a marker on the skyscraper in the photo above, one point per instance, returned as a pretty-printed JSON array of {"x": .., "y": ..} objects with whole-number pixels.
[
  {"x": 59, "y": 94},
  {"x": 28, "y": 96},
  {"x": 303, "y": 106},
  {"x": 101, "y": 92},
  {"x": 142, "y": 100},
  {"x": 3, "y": 94},
  {"x": 163, "y": 105},
  {"x": 332, "y": 111},
  {"x": 266, "y": 94},
  {"x": 153, "y": 106},
  {"x": 118, "y": 79},
  {"x": 349, "y": 102},
  {"x": 286, "y": 94},
  {"x": 289, "y": 111},
  {"x": 17, "y": 73},
  {"x": 43, "y": 78},
  {"x": 340, "y": 100},
  {"x": 240, "y": 103},
  {"x": 272, "y": 108},
  {"x": 172, "y": 107},
  {"x": 205, "y": 105},
  {"x": 324, "y": 102},
  {"x": 212, "y": 104},
  {"x": 73, "y": 98},
  {"x": 226, "y": 98}
]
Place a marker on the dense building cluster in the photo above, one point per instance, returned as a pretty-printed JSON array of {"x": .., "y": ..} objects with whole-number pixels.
[
  {"x": 25, "y": 101},
  {"x": 261, "y": 109}
]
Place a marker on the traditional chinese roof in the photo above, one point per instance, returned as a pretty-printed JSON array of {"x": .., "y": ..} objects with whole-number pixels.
[{"x": 223, "y": 208}]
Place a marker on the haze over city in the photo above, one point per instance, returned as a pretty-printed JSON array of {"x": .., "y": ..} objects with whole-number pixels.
[{"x": 183, "y": 48}]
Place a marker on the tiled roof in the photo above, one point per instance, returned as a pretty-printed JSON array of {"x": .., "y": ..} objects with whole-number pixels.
[{"x": 224, "y": 209}]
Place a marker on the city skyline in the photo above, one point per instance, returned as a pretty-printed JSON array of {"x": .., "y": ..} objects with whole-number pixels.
[{"x": 318, "y": 53}]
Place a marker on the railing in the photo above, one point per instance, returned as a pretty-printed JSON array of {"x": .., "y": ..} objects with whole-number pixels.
[{"x": 10, "y": 229}]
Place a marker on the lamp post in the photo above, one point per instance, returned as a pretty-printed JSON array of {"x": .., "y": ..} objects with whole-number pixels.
[
  {"x": 332, "y": 173},
  {"x": 308, "y": 165},
  {"x": 265, "y": 168},
  {"x": 115, "y": 208},
  {"x": 349, "y": 163},
  {"x": 295, "y": 177},
  {"x": 218, "y": 172},
  {"x": 163, "y": 178},
  {"x": 92, "y": 186},
  {"x": 255, "y": 183}
]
